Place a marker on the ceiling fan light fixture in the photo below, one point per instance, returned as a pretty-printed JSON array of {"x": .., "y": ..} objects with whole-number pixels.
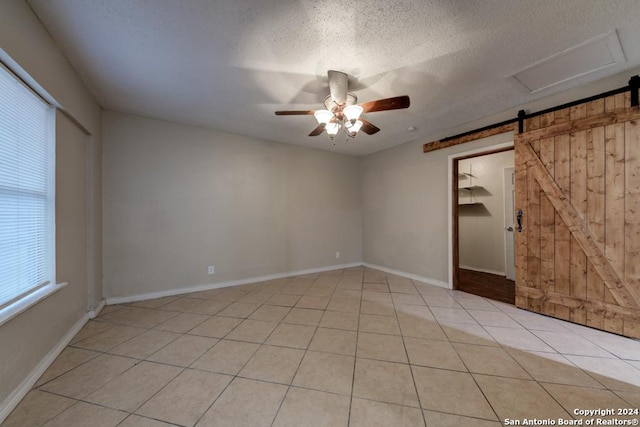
[
  {"x": 352, "y": 113},
  {"x": 352, "y": 130},
  {"x": 341, "y": 110},
  {"x": 323, "y": 116},
  {"x": 332, "y": 129}
]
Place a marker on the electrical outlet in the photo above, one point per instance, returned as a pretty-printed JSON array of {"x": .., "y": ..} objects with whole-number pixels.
[
  {"x": 211, "y": 270},
  {"x": 337, "y": 255}
]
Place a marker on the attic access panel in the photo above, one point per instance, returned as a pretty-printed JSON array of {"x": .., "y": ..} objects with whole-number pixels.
[{"x": 593, "y": 55}]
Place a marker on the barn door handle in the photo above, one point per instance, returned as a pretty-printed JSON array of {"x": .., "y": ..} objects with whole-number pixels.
[{"x": 519, "y": 219}]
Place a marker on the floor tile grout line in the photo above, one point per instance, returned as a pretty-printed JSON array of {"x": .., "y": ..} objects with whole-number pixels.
[
  {"x": 275, "y": 415},
  {"x": 209, "y": 316},
  {"x": 105, "y": 352},
  {"x": 229, "y": 383},
  {"x": 55, "y": 394},
  {"x": 406, "y": 352},
  {"x": 131, "y": 414},
  {"x": 216, "y": 399},
  {"x": 77, "y": 401},
  {"x": 617, "y": 393},
  {"x": 147, "y": 357},
  {"x": 355, "y": 356},
  {"x": 613, "y": 356},
  {"x": 476, "y": 381},
  {"x": 293, "y": 377},
  {"x": 532, "y": 379},
  {"x": 88, "y": 402},
  {"x": 572, "y": 366},
  {"x": 435, "y": 319},
  {"x": 484, "y": 327},
  {"x": 37, "y": 386},
  {"x": 504, "y": 348},
  {"x": 183, "y": 369},
  {"x": 102, "y": 353},
  {"x": 570, "y": 415}
]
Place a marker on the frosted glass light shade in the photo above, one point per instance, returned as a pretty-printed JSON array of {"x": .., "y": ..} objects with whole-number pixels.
[
  {"x": 352, "y": 112},
  {"x": 323, "y": 116},
  {"x": 355, "y": 127},
  {"x": 352, "y": 130},
  {"x": 332, "y": 129}
]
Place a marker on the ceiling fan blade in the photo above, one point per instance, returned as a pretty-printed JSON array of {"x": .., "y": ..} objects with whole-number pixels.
[
  {"x": 368, "y": 127},
  {"x": 338, "y": 82},
  {"x": 317, "y": 131},
  {"x": 295, "y": 113},
  {"x": 394, "y": 103}
]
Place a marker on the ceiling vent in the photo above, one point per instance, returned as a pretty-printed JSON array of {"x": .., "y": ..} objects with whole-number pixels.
[{"x": 592, "y": 55}]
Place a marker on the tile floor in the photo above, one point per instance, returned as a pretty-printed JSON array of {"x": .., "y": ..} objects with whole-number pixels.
[{"x": 351, "y": 347}]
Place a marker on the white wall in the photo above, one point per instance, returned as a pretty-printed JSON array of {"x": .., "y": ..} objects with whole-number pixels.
[
  {"x": 180, "y": 198},
  {"x": 481, "y": 227},
  {"x": 27, "y": 340}
]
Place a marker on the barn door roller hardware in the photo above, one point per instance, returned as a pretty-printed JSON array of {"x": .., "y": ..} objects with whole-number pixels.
[
  {"x": 633, "y": 87},
  {"x": 521, "y": 116},
  {"x": 634, "y": 84}
]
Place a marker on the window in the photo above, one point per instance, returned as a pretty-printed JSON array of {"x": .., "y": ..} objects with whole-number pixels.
[{"x": 26, "y": 193}]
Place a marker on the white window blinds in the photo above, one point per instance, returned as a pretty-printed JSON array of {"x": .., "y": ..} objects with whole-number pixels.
[{"x": 26, "y": 191}]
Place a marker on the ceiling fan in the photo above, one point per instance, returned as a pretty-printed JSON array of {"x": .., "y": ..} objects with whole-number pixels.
[{"x": 342, "y": 110}]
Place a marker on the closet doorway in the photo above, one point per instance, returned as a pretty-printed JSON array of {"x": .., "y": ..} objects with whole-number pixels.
[{"x": 483, "y": 221}]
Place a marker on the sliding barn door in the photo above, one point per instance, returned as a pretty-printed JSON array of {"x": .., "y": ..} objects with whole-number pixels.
[{"x": 578, "y": 187}]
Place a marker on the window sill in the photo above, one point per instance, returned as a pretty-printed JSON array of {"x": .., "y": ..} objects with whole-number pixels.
[{"x": 11, "y": 311}]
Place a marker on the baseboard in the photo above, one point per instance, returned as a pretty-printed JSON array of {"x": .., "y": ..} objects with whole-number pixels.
[
  {"x": 483, "y": 270},
  {"x": 27, "y": 384},
  {"x": 210, "y": 286},
  {"x": 411, "y": 276},
  {"x": 94, "y": 313}
]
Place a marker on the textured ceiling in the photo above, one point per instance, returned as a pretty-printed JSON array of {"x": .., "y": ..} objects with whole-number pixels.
[{"x": 229, "y": 64}]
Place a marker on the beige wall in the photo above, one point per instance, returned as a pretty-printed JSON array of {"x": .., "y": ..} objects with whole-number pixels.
[
  {"x": 28, "y": 338},
  {"x": 406, "y": 213},
  {"x": 405, "y": 192},
  {"x": 180, "y": 198},
  {"x": 71, "y": 212},
  {"x": 481, "y": 236}
]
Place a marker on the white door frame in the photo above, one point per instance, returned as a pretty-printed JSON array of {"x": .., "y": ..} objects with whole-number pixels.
[
  {"x": 509, "y": 209},
  {"x": 451, "y": 159}
]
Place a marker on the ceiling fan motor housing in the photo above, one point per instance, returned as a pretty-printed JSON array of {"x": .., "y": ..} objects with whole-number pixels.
[{"x": 331, "y": 105}]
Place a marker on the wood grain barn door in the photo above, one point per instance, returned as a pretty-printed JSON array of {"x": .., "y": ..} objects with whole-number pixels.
[{"x": 578, "y": 186}]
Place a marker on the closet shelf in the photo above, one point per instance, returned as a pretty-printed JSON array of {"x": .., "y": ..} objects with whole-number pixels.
[{"x": 471, "y": 188}]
